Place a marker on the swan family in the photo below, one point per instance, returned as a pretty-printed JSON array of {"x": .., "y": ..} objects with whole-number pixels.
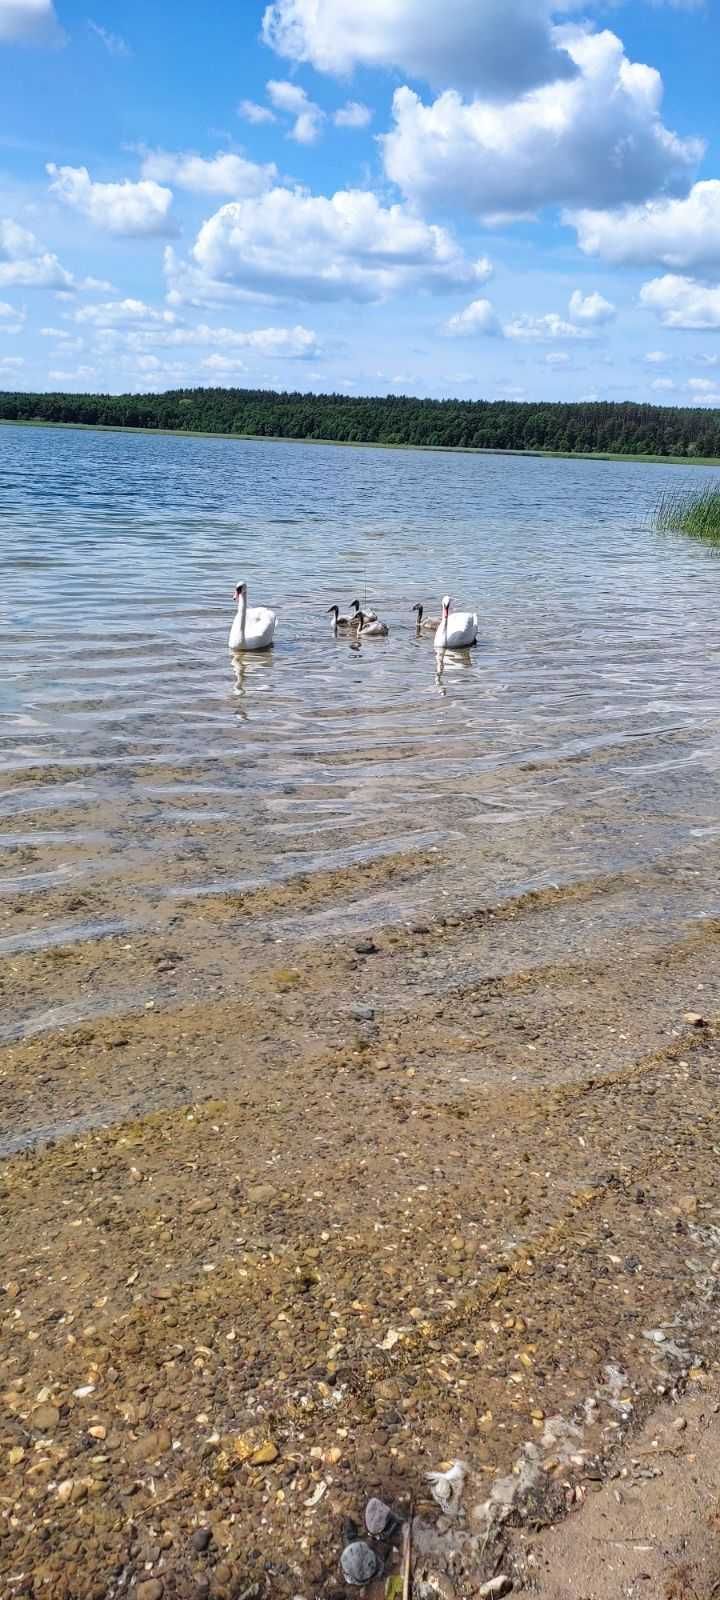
[{"x": 254, "y": 626}]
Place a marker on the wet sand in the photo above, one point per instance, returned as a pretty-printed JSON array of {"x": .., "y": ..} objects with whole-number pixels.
[{"x": 295, "y": 1209}]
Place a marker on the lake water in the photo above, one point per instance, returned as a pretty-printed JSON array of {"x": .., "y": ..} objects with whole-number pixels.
[{"x": 581, "y": 738}]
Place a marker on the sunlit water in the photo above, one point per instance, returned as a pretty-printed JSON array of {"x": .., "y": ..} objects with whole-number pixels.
[{"x": 581, "y": 737}]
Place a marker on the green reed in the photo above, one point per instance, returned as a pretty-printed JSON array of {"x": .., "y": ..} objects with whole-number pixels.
[{"x": 692, "y": 511}]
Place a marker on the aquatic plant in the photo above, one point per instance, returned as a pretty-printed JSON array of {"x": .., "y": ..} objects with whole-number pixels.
[{"x": 692, "y": 511}]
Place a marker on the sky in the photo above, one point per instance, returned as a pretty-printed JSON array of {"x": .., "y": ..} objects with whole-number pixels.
[{"x": 489, "y": 199}]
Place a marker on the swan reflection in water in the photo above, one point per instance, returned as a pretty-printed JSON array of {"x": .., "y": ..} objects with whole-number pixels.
[
  {"x": 249, "y": 671},
  {"x": 452, "y": 661}
]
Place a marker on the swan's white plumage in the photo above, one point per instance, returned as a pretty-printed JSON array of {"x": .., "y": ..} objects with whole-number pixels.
[
  {"x": 457, "y": 630},
  {"x": 253, "y": 627}
]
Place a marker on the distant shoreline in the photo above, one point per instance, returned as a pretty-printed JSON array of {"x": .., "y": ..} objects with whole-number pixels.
[{"x": 365, "y": 444}]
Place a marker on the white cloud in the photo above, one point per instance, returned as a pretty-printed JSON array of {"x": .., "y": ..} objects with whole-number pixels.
[
  {"x": 308, "y": 118},
  {"x": 223, "y": 173},
  {"x": 662, "y": 384},
  {"x": 113, "y": 42},
  {"x": 656, "y": 357},
  {"x": 76, "y": 375},
  {"x": 24, "y": 264},
  {"x": 551, "y": 326},
  {"x": 252, "y": 112},
  {"x": 11, "y": 318},
  {"x": 29, "y": 22},
  {"x": 123, "y": 314},
  {"x": 496, "y": 46},
  {"x": 132, "y": 324},
  {"x": 702, "y": 385},
  {"x": 597, "y": 137},
  {"x": 345, "y": 247},
  {"x": 676, "y": 233},
  {"x": 11, "y": 363},
  {"x": 223, "y": 366},
  {"x": 681, "y": 302},
  {"x": 353, "y": 115},
  {"x": 132, "y": 210},
  {"x": 479, "y": 317},
  {"x": 590, "y": 308}
]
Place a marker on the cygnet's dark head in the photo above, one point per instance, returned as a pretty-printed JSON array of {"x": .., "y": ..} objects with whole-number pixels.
[{"x": 419, "y": 609}]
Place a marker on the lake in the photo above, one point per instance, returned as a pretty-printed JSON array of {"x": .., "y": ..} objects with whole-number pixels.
[{"x": 139, "y": 772}]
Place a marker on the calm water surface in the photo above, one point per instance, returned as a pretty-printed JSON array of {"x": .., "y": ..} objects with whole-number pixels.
[{"x": 580, "y": 738}]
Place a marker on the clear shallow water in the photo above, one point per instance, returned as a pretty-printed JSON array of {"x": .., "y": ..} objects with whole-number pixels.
[{"x": 580, "y": 738}]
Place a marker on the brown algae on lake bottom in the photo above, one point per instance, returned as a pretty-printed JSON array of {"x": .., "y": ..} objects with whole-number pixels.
[{"x": 399, "y": 1235}]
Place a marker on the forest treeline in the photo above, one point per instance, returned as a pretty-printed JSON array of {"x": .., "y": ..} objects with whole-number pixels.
[{"x": 622, "y": 428}]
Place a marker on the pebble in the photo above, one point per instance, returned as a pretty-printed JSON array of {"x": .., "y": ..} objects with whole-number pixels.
[
  {"x": 377, "y": 1517},
  {"x": 502, "y": 1584},
  {"x": 266, "y": 1453},
  {"x": 153, "y": 1589},
  {"x": 365, "y": 947},
  {"x": 201, "y": 1539},
  {"x": 680, "y": 1424},
  {"x": 359, "y": 1563},
  {"x": 205, "y": 1204},
  {"x": 363, "y": 1013},
  {"x": 45, "y": 1418},
  {"x": 695, "y": 1019},
  {"x": 260, "y": 1192}
]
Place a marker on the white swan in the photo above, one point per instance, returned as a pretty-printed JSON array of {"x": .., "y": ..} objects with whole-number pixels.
[
  {"x": 457, "y": 630},
  {"x": 370, "y": 616},
  {"x": 253, "y": 629},
  {"x": 424, "y": 624},
  {"x": 371, "y": 627}
]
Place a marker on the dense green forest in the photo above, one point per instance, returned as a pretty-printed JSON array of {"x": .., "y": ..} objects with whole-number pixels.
[{"x": 618, "y": 428}]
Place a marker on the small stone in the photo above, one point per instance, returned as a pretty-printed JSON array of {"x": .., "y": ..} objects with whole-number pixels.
[
  {"x": 680, "y": 1424},
  {"x": 201, "y": 1539},
  {"x": 45, "y": 1418},
  {"x": 206, "y": 1203},
  {"x": 500, "y": 1585},
  {"x": 688, "y": 1204},
  {"x": 363, "y": 1013},
  {"x": 259, "y": 1193},
  {"x": 695, "y": 1019},
  {"x": 64, "y": 1490},
  {"x": 365, "y": 947},
  {"x": 152, "y": 1589},
  {"x": 377, "y": 1517},
  {"x": 265, "y": 1454},
  {"x": 97, "y": 1432},
  {"x": 359, "y": 1563},
  {"x": 420, "y": 927}
]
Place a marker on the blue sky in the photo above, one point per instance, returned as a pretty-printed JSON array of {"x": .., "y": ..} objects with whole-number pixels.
[{"x": 485, "y": 198}]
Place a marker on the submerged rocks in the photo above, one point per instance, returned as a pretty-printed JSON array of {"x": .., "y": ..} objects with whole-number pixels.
[{"x": 359, "y": 1563}]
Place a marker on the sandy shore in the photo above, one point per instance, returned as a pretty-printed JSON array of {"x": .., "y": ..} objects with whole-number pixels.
[{"x": 324, "y": 1213}]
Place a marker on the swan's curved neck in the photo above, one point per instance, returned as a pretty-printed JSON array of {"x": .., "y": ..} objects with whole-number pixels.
[{"x": 242, "y": 611}]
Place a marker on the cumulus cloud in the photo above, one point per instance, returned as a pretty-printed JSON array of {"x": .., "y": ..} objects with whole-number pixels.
[
  {"x": 499, "y": 47},
  {"x": 702, "y": 385},
  {"x": 590, "y": 308},
  {"x": 478, "y": 317},
  {"x": 681, "y": 302},
  {"x": 308, "y": 119},
  {"x": 223, "y": 173},
  {"x": 535, "y": 329},
  {"x": 597, "y": 136},
  {"x": 11, "y": 319},
  {"x": 655, "y": 358},
  {"x": 73, "y": 375},
  {"x": 662, "y": 385},
  {"x": 252, "y": 112},
  {"x": 131, "y": 210},
  {"x": 291, "y": 243},
  {"x": 353, "y": 115},
  {"x": 24, "y": 264},
  {"x": 674, "y": 232},
  {"x": 134, "y": 325},
  {"x": 11, "y": 363},
  {"x": 29, "y": 22}
]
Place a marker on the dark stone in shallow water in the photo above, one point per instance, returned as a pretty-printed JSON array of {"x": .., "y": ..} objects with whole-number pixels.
[
  {"x": 359, "y": 1563},
  {"x": 365, "y": 947}
]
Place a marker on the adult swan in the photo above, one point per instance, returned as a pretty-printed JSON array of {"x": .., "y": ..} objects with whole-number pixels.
[
  {"x": 253, "y": 629},
  {"x": 457, "y": 630}
]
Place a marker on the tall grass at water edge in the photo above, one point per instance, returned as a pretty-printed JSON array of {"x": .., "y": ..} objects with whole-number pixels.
[{"x": 692, "y": 511}]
